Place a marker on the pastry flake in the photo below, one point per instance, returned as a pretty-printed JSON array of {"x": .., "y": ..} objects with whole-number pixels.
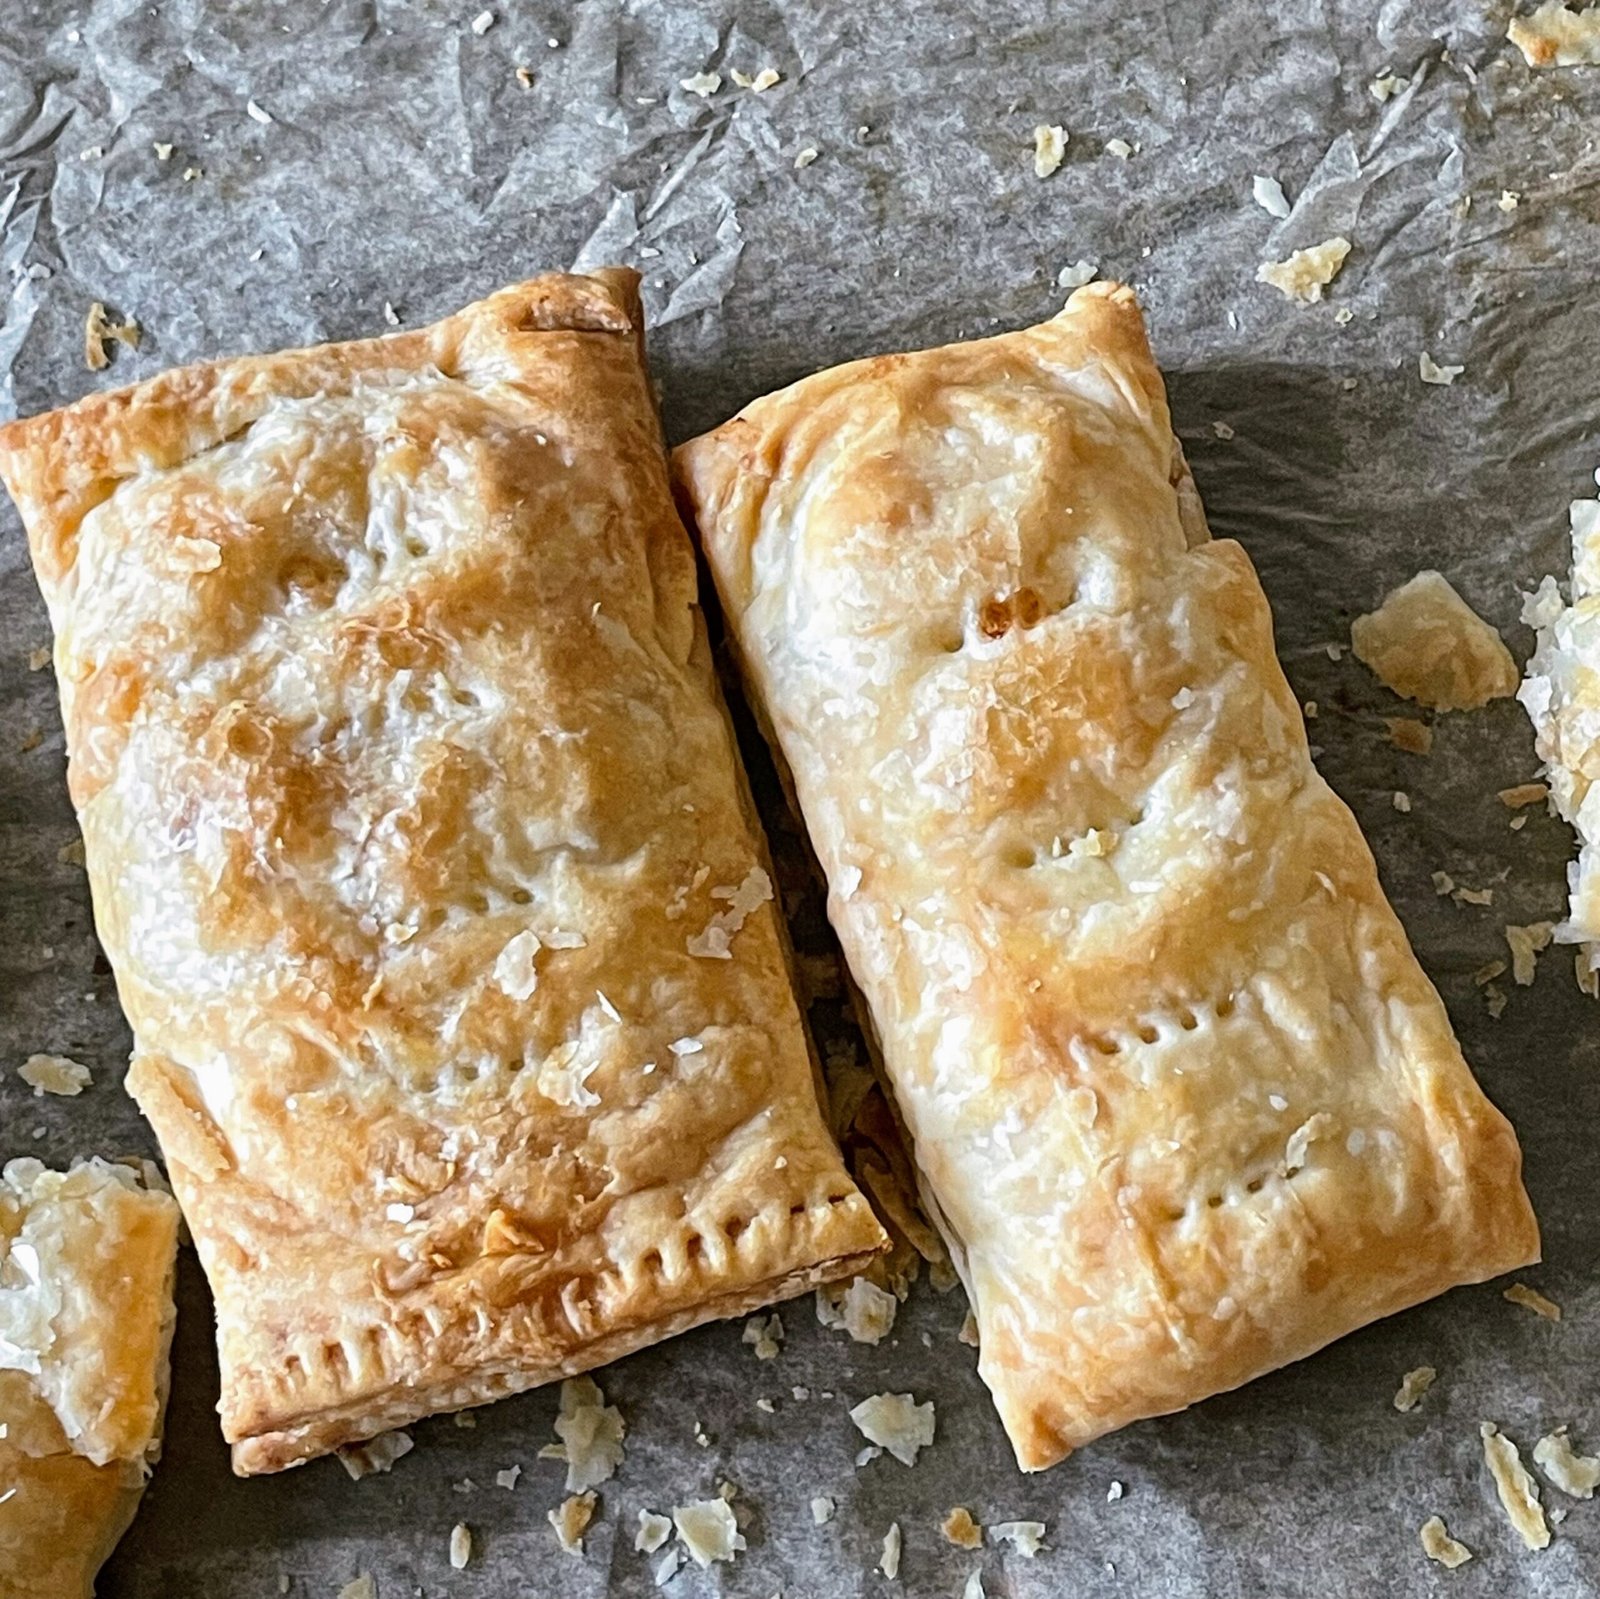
[
  {"x": 1555, "y": 35},
  {"x": 1519, "y": 1493},
  {"x": 387, "y": 804},
  {"x": 1427, "y": 644},
  {"x": 86, "y": 1316},
  {"x": 1168, "y": 1136}
]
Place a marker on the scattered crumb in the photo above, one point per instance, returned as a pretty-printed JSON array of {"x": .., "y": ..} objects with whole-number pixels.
[
  {"x": 258, "y": 113},
  {"x": 1114, "y": 1492},
  {"x": 482, "y": 23},
  {"x": 1574, "y": 1474},
  {"x": 191, "y": 173},
  {"x": 1509, "y": 199},
  {"x": 1553, "y": 36},
  {"x": 1222, "y": 430},
  {"x": 889, "y": 1560},
  {"x": 375, "y": 1455},
  {"x": 864, "y": 1310},
  {"x": 390, "y": 315},
  {"x": 1532, "y": 1299},
  {"x": 766, "y": 1406},
  {"x": 1494, "y": 1001},
  {"x": 961, "y": 1530},
  {"x": 591, "y": 1433},
  {"x": 1268, "y": 194},
  {"x": 805, "y": 158},
  {"x": 1413, "y": 1386},
  {"x": 704, "y": 84},
  {"x": 1427, "y": 644},
  {"x": 39, "y": 658},
  {"x": 708, "y": 1530},
  {"x": 54, "y": 1074},
  {"x": 1588, "y": 977},
  {"x": 1401, "y": 802},
  {"x": 1488, "y": 972},
  {"x": 897, "y": 1422},
  {"x": 969, "y": 1331},
  {"x": 1438, "y": 1545},
  {"x": 1523, "y": 794},
  {"x": 1344, "y": 316},
  {"x": 1049, "y": 148},
  {"x": 1415, "y": 738},
  {"x": 653, "y": 1531},
  {"x": 1386, "y": 86},
  {"x": 1304, "y": 275},
  {"x": 1120, "y": 148},
  {"x": 163, "y": 151},
  {"x": 1526, "y": 942},
  {"x": 97, "y": 329},
  {"x": 822, "y": 1510},
  {"x": 1443, "y": 883},
  {"x": 571, "y": 1519},
  {"x": 760, "y": 83},
  {"x": 362, "y": 1588},
  {"x": 508, "y": 1477},
  {"x": 1463, "y": 895},
  {"x": 765, "y": 1335},
  {"x": 1076, "y": 275},
  {"x": 31, "y": 740},
  {"x": 460, "y": 1545},
  {"x": 1023, "y": 1536},
  {"x": 1432, "y": 372},
  {"x": 524, "y": 76},
  {"x": 1519, "y": 1494},
  {"x": 865, "y": 1457}
]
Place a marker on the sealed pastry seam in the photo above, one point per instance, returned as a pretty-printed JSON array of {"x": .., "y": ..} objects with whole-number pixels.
[
  {"x": 1182, "y": 1102},
  {"x": 408, "y": 801}
]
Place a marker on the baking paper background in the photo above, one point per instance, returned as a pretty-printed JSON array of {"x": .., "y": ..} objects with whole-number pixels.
[{"x": 406, "y": 163}]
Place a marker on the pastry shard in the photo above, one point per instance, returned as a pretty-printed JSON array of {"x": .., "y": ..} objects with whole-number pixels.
[
  {"x": 416, "y": 837},
  {"x": 1182, "y": 1102},
  {"x": 86, "y": 1267}
]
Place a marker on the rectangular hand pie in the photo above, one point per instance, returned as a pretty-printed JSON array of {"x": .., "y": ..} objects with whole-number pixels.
[
  {"x": 1182, "y": 1101},
  {"x": 86, "y": 1266},
  {"x": 422, "y": 856}
]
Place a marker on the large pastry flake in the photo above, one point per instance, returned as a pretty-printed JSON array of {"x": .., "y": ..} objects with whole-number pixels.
[
  {"x": 86, "y": 1266},
  {"x": 1181, "y": 1100},
  {"x": 423, "y": 860}
]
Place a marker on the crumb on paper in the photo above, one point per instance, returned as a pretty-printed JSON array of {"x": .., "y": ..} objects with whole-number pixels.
[
  {"x": 98, "y": 328},
  {"x": 1519, "y": 1494},
  {"x": 163, "y": 151},
  {"x": 39, "y": 658},
  {"x": 805, "y": 158},
  {"x": 374, "y": 1456},
  {"x": 508, "y": 1477},
  {"x": 1575, "y": 1475},
  {"x": 524, "y": 76},
  {"x": 1553, "y": 36},
  {"x": 1114, "y": 1492},
  {"x": 363, "y": 1587},
  {"x": 821, "y": 1510},
  {"x": 1526, "y": 943},
  {"x": 1432, "y": 372},
  {"x": 764, "y": 1334},
  {"x": 1401, "y": 802},
  {"x": 54, "y": 1074},
  {"x": 460, "y": 1546},
  {"x": 1049, "y": 148},
  {"x": 571, "y": 1519},
  {"x": 1523, "y": 794},
  {"x": 1415, "y": 738},
  {"x": 709, "y": 1531},
  {"x": 1463, "y": 895},
  {"x": 766, "y": 1407},
  {"x": 1488, "y": 972},
  {"x": 889, "y": 1560},
  {"x": 760, "y": 83},
  {"x": 1222, "y": 430},
  {"x": 1494, "y": 1001},
  {"x": 1120, "y": 148},
  {"x": 591, "y": 1433},
  {"x": 1509, "y": 199},
  {"x": 863, "y": 1309},
  {"x": 1427, "y": 644},
  {"x": 1386, "y": 86},
  {"x": 1439, "y": 1546},
  {"x": 1413, "y": 1386},
  {"x": 1268, "y": 194},
  {"x": 960, "y": 1529},
  {"x": 1532, "y": 1299},
  {"x": 704, "y": 84},
  {"x": 1023, "y": 1536},
  {"x": 1076, "y": 275},
  {"x": 897, "y": 1423},
  {"x": 1588, "y": 977},
  {"x": 191, "y": 174},
  {"x": 258, "y": 113},
  {"x": 1304, "y": 275},
  {"x": 482, "y": 23},
  {"x": 654, "y": 1530},
  {"x": 390, "y": 315}
]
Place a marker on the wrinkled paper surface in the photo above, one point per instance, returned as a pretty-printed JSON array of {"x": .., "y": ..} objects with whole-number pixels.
[{"x": 402, "y": 161}]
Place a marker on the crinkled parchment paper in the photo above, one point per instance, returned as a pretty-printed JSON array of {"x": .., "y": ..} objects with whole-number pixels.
[{"x": 399, "y": 158}]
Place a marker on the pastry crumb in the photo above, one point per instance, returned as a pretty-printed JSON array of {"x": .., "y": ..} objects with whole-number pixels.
[
  {"x": 258, "y": 113},
  {"x": 1526, "y": 943},
  {"x": 889, "y": 1560},
  {"x": 1114, "y": 1492},
  {"x": 1532, "y": 1299},
  {"x": 1120, "y": 148},
  {"x": 1433, "y": 372},
  {"x": 591, "y": 1433},
  {"x": 821, "y": 1510},
  {"x": 98, "y": 328},
  {"x": 1588, "y": 977},
  {"x": 1494, "y": 1001},
  {"x": 1427, "y": 644},
  {"x": 507, "y": 1478},
  {"x": 1575, "y": 1475},
  {"x": 1023, "y": 1536},
  {"x": 1509, "y": 199},
  {"x": 1386, "y": 86},
  {"x": 1463, "y": 895},
  {"x": 39, "y": 658},
  {"x": 482, "y": 23},
  {"x": 54, "y": 1074},
  {"x": 571, "y": 1519},
  {"x": 709, "y": 1531},
  {"x": 1306, "y": 273},
  {"x": 1415, "y": 738},
  {"x": 765, "y": 1335},
  {"x": 969, "y": 1331},
  {"x": 654, "y": 1530},
  {"x": 766, "y": 1407},
  {"x": 1268, "y": 194},
  {"x": 376, "y": 1455},
  {"x": 1524, "y": 794},
  {"x": 1438, "y": 1545},
  {"x": 1518, "y": 1492},
  {"x": 362, "y": 1588},
  {"x": 1076, "y": 275},
  {"x": 960, "y": 1529},
  {"x": 460, "y": 1546},
  {"x": 863, "y": 1309},
  {"x": 1488, "y": 972},
  {"x": 806, "y": 157},
  {"x": 1049, "y": 148},
  {"x": 1401, "y": 802},
  {"x": 897, "y": 1423},
  {"x": 1413, "y": 1386},
  {"x": 1553, "y": 36},
  {"x": 704, "y": 84}
]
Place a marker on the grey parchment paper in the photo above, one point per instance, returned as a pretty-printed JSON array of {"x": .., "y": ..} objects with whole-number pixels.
[{"x": 405, "y": 162}]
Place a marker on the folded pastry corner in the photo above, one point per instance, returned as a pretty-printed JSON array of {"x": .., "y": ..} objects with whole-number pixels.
[
  {"x": 1182, "y": 1101},
  {"x": 86, "y": 1316},
  {"x": 421, "y": 853}
]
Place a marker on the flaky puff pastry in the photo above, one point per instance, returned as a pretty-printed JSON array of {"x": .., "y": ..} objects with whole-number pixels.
[
  {"x": 86, "y": 1267},
  {"x": 1182, "y": 1102},
  {"x": 424, "y": 863}
]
